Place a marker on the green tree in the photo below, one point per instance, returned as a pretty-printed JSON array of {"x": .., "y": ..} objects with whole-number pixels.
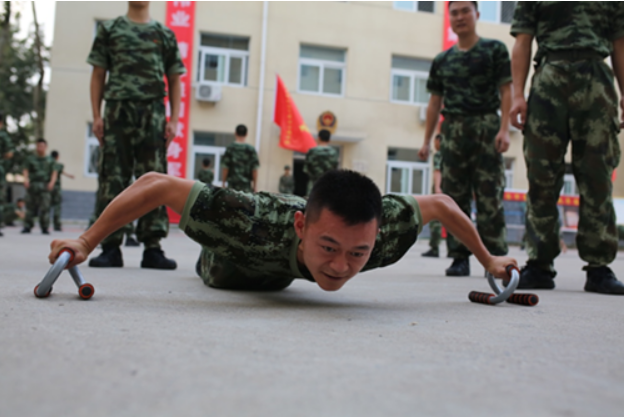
[{"x": 20, "y": 73}]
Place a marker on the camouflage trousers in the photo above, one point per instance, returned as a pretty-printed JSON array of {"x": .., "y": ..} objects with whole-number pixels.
[
  {"x": 37, "y": 205},
  {"x": 471, "y": 166},
  {"x": 55, "y": 203},
  {"x": 571, "y": 102},
  {"x": 435, "y": 234},
  {"x": 240, "y": 186},
  {"x": 3, "y": 202},
  {"x": 134, "y": 144}
]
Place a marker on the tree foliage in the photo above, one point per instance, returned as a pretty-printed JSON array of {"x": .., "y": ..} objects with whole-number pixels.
[{"x": 19, "y": 70}]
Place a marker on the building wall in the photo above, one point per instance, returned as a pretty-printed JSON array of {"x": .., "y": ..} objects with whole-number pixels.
[{"x": 368, "y": 123}]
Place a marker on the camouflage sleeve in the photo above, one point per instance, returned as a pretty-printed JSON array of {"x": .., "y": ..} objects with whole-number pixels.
[
  {"x": 226, "y": 159},
  {"x": 255, "y": 162},
  {"x": 434, "y": 83},
  {"x": 58, "y": 167},
  {"x": 99, "y": 55},
  {"x": 172, "y": 60},
  {"x": 524, "y": 18},
  {"x": 617, "y": 19},
  {"x": 437, "y": 161},
  {"x": 502, "y": 64},
  {"x": 305, "y": 164}
]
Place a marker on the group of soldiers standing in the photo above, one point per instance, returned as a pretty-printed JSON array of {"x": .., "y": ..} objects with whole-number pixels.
[{"x": 572, "y": 99}]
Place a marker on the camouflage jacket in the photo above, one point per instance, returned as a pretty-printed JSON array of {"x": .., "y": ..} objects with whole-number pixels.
[
  {"x": 58, "y": 167},
  {"x": 252, "y": 235},
  {"x": 570, "y": 26},
  {"x": 206, "y": 176},
  {"x": 287, "y": 184},
  {"x": 137, "y": 57},
  {"x": 40, "y": 169},
  {"x": 437, "y": 161},
  {"x": 241, "y": 159},
  {"x": 6, "y": 146},
  {"x": 469, "y": 80},
  {"x": 319, "y": 160}
]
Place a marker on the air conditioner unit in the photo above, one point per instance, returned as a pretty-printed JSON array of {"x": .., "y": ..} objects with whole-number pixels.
[
  {"x": 208, "y": 92},
  {"x": 423, "y": 114}
]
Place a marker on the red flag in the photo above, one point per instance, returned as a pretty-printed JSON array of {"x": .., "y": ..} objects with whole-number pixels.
[{"x": 294, "y": 133}]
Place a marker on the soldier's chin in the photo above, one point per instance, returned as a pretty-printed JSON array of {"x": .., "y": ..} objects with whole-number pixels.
[{"x": 328, "y": 283}]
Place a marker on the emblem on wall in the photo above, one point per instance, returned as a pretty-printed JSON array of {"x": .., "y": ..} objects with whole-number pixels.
[{"x": 328, "y": 121}]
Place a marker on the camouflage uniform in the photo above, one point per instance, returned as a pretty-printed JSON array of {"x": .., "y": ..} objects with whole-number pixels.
[
  {"x": 318, "y": 161},
  {"x": 206, "y": 176},
  {"x": 10, "y": 215},
  {"x": 287, "y": 184},
  {"x": 40, "y": 171},
  {"x": 249, "y": 241},
  {"x": 56, "y": 198},
  {"x": 137, "y": 58},
  {"x": 469, "y": 83},
  {"x": 435, "y": 227},
  {"x": 241, "y": 160},
  {"x": 6, "y": 146},
  {"x": 573, "y": 99}
]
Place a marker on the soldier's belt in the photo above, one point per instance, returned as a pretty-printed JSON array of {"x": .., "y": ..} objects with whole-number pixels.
[{"x": 574, "y": 55}]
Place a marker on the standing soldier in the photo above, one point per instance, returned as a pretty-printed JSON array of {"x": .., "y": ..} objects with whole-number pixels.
[
  {"x": 137, "y": 52},
  {"x": 57, "y": 198},
  {"x": 320, "y": 159},
  {"x": 435, "y": 228},
  {"x": 287, "y": 182},
  {"x": 39, "y": 179},
  {"x": 473, "y": 80},
  {"x": 206, "y": 175},
  {"x": 572, "y": 99},
  {"x": 240, "y": 164},
  {"x": 6, "y": 153}
]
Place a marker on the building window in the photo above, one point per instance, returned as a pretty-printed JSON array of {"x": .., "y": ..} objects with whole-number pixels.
[
  {"x": 409, "y": 80},
  {"x": 321, "y": 70},
  {"x": 406, "y": 173},
  {"x": 223, "y": 60},
  {"x": 92, "y": 153},
  {"x": 212, "y": 146},
  {"x": 509, "y": 166},
  {"x": 497, "y": 11},
  {"x": 415, "y": 6}
]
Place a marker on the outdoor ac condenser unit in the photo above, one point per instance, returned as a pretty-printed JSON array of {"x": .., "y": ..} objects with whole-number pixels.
[{"x": 208, "y": 92}]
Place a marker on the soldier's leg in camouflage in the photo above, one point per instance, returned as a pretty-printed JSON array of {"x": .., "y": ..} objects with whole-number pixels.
[
  {"x": 56, "y": 208},
  {"x": 44, "y": 210},
  {"x": 435, "y": 236},
  {"x": 545, "y": 141},
  {"x": 457, "y": 170},
  {"x": 2, "y": 202},
  {"x": 489, "y": 186},
  {"x": 115, "y": 173},
  {"x": 31, "y": 201},
  {"x": 595, "y": 153},
  {"x": 150, "y": 154}
]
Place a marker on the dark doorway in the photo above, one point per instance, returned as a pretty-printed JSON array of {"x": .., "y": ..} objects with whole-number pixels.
[{"x": 301, "y": 179}]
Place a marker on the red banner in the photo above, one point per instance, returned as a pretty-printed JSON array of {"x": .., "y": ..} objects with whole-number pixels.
[
  {"x": 449, "y": 38},
  {"x": 180, "y": 18},
  {"x": 294, "y": 134}
]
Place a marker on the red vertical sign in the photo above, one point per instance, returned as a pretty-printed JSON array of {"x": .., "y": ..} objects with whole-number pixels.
[
  {"x": 180, "y": 18},
  {"x": 449, "y": 38}
]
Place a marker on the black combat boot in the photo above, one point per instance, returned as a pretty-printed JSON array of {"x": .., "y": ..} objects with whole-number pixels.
[
  {"x": 603, "y": 281},
  {"x": 109, "y": 258},
  {"x": 25, "y": 230},
  {"x": 532, "y": 277},
  {"x": 432, "y": 253},
  {"x": 45, "y": 232},
  {"x": 459, "y": 268},
  {"x": 154, "y": 258},
  {"x": 130, "y": 241}
]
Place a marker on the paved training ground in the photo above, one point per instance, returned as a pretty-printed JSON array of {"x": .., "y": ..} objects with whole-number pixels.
[{"x": 399, "y": 341}]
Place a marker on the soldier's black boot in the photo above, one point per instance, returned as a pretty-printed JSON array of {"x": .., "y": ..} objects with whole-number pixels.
[
  {"x": 198, "y": 267},
  {"x": 603, "y": 281},
  {"x": 130, "y": 241},
  {"x": 109, "y": 258},
  {"x": 532, "y": 277},
  {"x": 459, "y": 268},
  {"x": 154, "y": 258},
  {"x": 432, "y": 253},
  {"x": 25, "y": 230},
  {"x": 45, "y": 232}
]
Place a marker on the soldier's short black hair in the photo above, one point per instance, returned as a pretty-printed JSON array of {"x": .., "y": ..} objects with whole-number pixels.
[
  {"x": 473, "y": 2},
  {"x": 324, "y": 135},
  {"x": 54, "y": 154},
  {"x": 241, "y": 130},
  {"x": 42, "y": 140},
  {"x": 348, "y": 194},
  {"x": 206, "y": 162}
]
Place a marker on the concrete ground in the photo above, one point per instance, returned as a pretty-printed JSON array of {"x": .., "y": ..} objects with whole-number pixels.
[{"x": 399, "y": 341}]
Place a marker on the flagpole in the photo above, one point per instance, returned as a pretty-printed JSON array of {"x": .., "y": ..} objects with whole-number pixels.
[{"x": 265, "y": 14}]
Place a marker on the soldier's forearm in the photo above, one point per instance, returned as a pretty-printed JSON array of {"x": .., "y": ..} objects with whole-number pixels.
[
  {"x": 520, "y": 62},
  {"x": 505, "y": 93},
  {"x": 617, "y": 60},
  {"x": 98, "y": 80},
  {"x": 433, "y": 115},
  {"x": 175, "y": 94}
]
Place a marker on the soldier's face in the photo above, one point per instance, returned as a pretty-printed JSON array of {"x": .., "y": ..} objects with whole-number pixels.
[
  {"x": 41, "y": 148},
  {"x": 463, "y": 17},
  {"x": 333, "y": 251}
]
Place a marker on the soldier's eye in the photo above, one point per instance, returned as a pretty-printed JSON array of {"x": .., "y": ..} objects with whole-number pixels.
[{"x": 328, "y": 249}]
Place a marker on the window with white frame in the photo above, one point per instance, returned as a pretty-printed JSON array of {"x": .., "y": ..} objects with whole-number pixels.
[
  {"x": 406, "y": 173},
  {"x": 211, "y": 146},
  {"x": 92, "y": 153},
  {"x": 409, "y": 80},
  {"x": 223, "y": 59},
  {"x": 321, "y": 70},
  {"x": 509, "y": 166},
  {"x": 415, "y": 6},
  {"x": 497, "y": 11}
]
